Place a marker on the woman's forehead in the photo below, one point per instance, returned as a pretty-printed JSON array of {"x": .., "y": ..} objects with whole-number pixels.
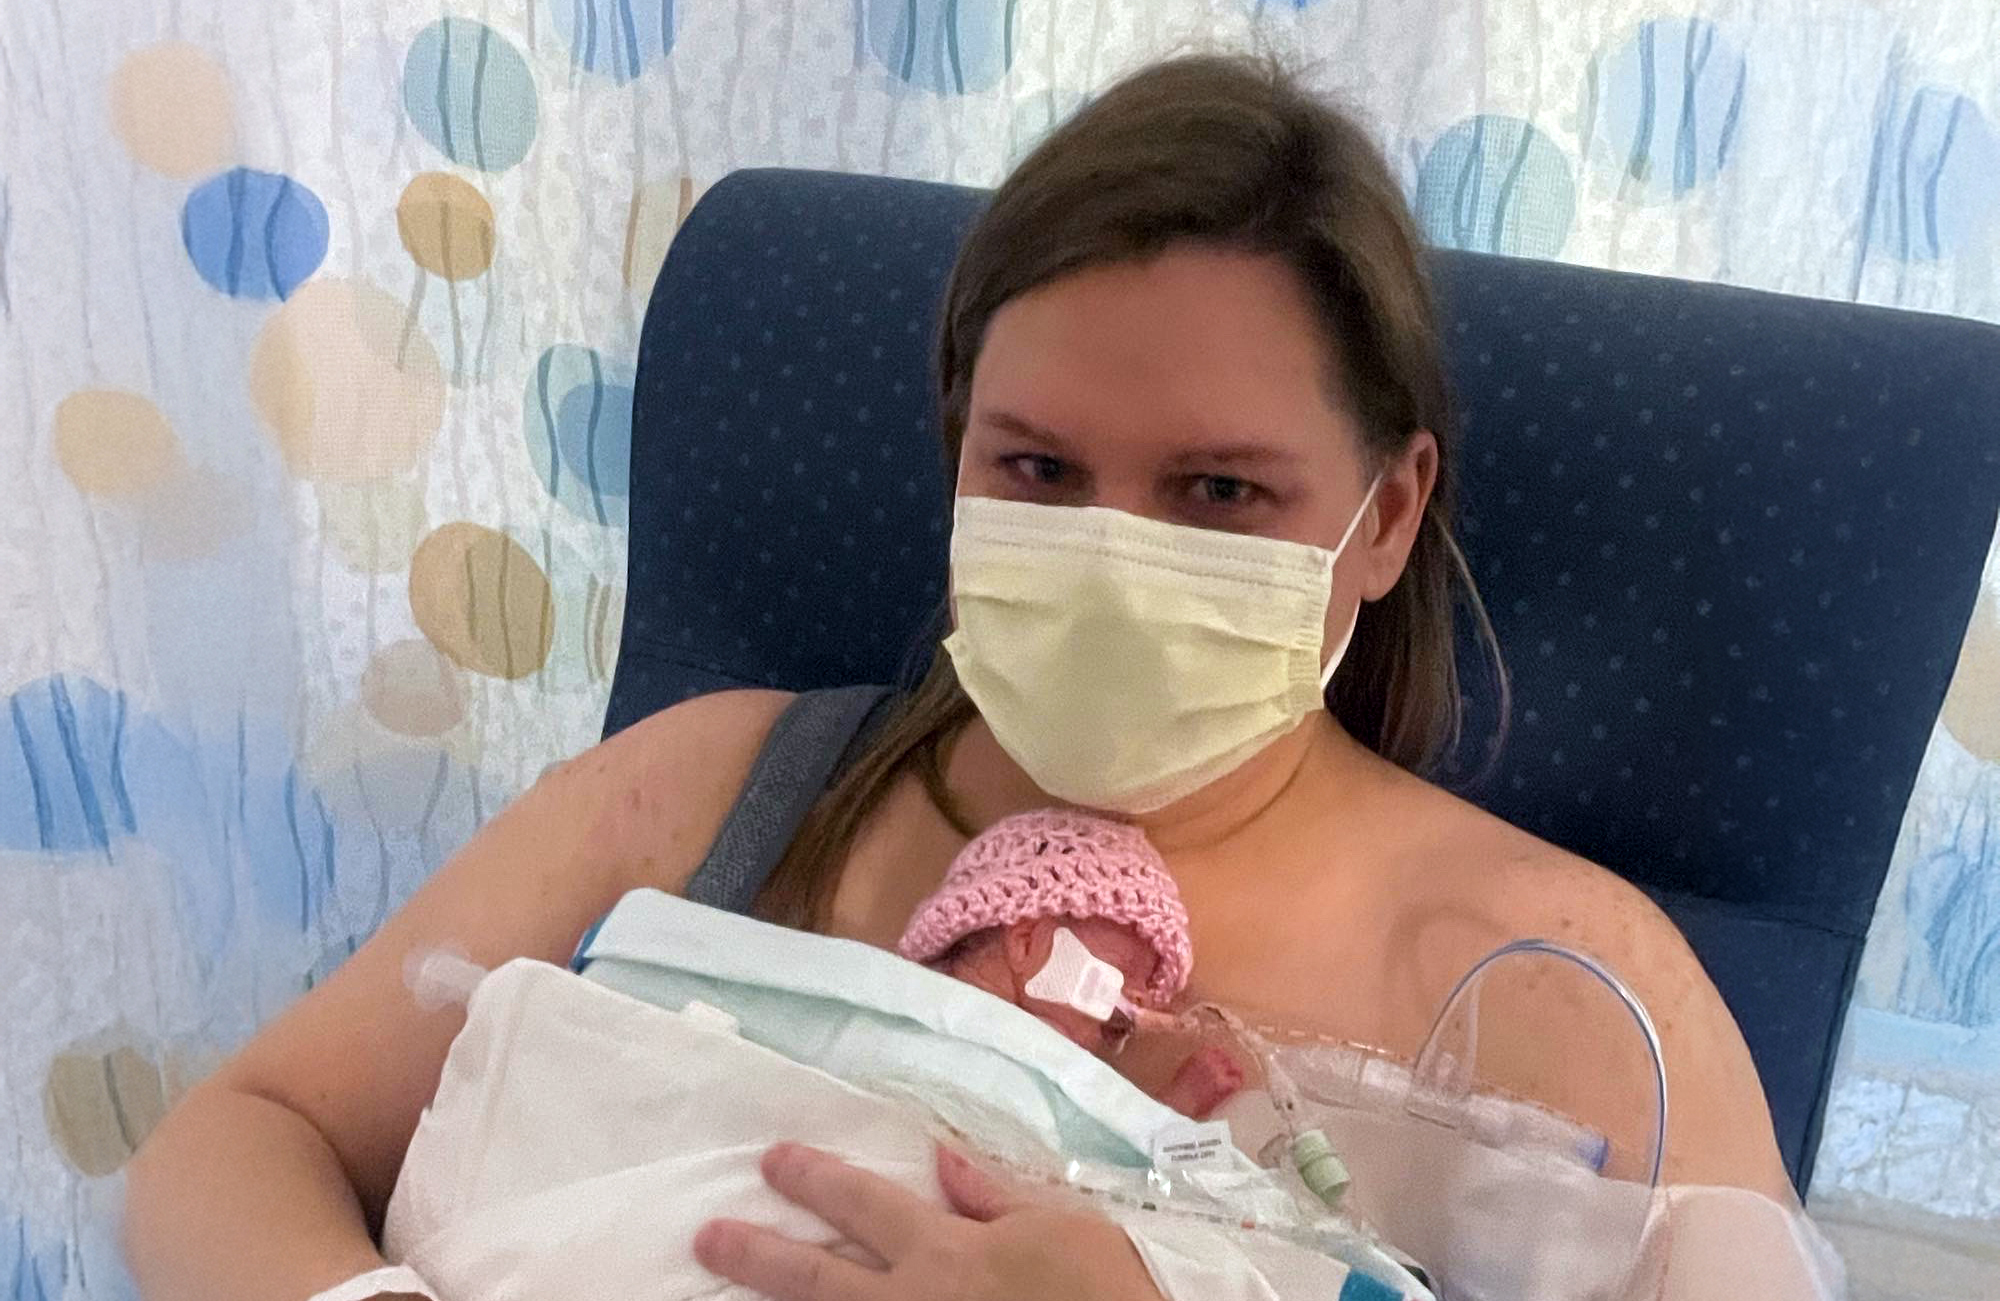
[{"x": 1194, "y": 349}]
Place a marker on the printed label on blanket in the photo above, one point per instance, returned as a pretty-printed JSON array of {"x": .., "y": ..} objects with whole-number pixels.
[{"x": 1191, "y": 1144}]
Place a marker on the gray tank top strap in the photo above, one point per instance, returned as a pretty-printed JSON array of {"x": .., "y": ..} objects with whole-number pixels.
[{"x": 808, "y": 745}]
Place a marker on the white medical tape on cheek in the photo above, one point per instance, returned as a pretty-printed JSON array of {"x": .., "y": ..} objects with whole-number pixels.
[{"x": 1075, "y": 977}]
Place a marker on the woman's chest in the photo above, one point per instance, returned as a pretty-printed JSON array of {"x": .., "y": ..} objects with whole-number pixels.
[
  {"x": 1317, "y": 941},
  {"x": 897, "y": 859},
  {"x": 1344, "y": 942},
  {"x": 1286, "y": 966},
  {"x": 1300, "y": 934}
]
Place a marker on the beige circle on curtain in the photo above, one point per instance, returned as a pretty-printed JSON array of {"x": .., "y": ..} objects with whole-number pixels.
[
  {"x": 482, "y": 600},
  {"x": 1972, "y": 705},
  {"x": 409, "y": 688},
  {"x": 101, "y": 1105},
  {"x": 373, "y": 526},
  {"x": 446, "y": 225},
  {"x": 114, "y": 444},
  {"x": 171, "y": 106},
  {"x": 656, "y": 212},
  {"x": 349, "y": 389}
]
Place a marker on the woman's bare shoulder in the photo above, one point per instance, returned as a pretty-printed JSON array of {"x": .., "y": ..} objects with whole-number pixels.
[
  {"x": 1721, "y": 1131},
  {"x": 654, "y": 795}
]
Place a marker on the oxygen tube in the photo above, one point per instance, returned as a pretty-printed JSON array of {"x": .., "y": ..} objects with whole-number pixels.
[
  {"x": 1076, "y": 977},
  {"x": 1319, "y": 1167},
  {"x": 1443, "y": 1080},
  {"x": 1439, "y": 1086}
]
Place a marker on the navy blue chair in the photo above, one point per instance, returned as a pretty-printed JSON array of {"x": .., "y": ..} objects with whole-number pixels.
[{"x": 1729, "y": 540}]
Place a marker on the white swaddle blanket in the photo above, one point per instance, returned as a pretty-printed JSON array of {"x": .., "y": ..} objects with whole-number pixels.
[
  {"x": 581, "y": 1135},
  {"x": 586, "y": 1126}
]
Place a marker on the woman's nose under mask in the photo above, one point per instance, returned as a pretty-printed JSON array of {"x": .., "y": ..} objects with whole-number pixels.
[{"x": 1125, "y": 663}]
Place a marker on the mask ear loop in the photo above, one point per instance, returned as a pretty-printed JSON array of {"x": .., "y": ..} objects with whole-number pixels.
[
  {"x": 1367, "y": 500},
  {"x": 1347, "y": 638}
]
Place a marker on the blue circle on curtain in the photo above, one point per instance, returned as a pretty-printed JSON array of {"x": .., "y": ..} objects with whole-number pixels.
[
  {"x": 1497, "y": 185},
  {"x": 469, "y": 91},
  {"x": 83, "y": 769},
  {"x": 254, "y": 234},
  {"x": 579, "y": 431},
  {"x": 615, "y": 37},
  {"x": 1934, "y": 183},
  {"x": 946, "y": 46},
  {"x": 1668, "y": 104}
]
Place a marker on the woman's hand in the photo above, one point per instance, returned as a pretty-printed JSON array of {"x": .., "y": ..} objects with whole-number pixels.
[{"x": 992, "y": 1245}]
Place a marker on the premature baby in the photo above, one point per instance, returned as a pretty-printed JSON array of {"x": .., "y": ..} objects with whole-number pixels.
[{"x": 1072, "y": 918}]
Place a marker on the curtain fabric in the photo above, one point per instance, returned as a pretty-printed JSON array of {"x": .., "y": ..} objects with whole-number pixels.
[{"x": 317, "y": 330}]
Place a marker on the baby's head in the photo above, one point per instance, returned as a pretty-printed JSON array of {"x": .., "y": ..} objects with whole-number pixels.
[{"x": 1032, "y": 907}]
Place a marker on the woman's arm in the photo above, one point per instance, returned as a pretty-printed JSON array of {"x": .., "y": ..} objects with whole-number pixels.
[
  {"x": 268, "y": 1180},
  {"x": 1719, "y": 1131}
]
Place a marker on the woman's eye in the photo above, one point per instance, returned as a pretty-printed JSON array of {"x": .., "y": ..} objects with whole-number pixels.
[
  {"x": 1215, "y": 490},
  {"x": 1045, "y": 471}
]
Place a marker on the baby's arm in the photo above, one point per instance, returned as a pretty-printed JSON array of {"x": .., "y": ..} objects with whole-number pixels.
[{"x": 1208, "y": 1078}]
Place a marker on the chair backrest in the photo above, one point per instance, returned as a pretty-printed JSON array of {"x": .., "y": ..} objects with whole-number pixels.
[{"x": 1729, "y": 541}]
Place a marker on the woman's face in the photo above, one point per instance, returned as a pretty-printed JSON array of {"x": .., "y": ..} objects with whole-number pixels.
[{"x": 1193, "y": 388}]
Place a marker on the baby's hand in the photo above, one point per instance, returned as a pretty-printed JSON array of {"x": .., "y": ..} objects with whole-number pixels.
[{"x": 1207, "y": 1079}]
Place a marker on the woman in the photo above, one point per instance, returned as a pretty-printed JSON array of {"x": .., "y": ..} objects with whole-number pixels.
[{"x": 1200, "y": 307}]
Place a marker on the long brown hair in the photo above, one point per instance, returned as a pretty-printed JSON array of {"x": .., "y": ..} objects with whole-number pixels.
[{"x": 1227, "y": 152}]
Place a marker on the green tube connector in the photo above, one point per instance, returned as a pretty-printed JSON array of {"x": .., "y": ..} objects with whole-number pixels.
[{"x": 1322, "y": 1170}]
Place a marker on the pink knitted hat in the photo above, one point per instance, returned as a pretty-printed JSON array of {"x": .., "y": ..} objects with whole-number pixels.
[{"x": 1059, "y": 864}]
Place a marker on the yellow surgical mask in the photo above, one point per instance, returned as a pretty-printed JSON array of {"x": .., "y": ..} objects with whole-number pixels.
[{"x": 1125, "y": 663}]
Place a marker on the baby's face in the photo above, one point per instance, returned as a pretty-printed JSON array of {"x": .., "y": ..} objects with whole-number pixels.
[{"x": 1120, "y": 945}]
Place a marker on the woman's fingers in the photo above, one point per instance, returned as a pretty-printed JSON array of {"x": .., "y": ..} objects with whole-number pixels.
[
  {"x": 777, "y": 1267},
  {"x": 971, "y": 1191},
  {"x": 863, "y": 1207}
]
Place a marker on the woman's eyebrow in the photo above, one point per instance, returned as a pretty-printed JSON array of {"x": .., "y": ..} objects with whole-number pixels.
[
  {"x": 1214, "y": 454},
  {"x": 1021, "y": 426},
  {"x": 1237, "y": 454}
]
